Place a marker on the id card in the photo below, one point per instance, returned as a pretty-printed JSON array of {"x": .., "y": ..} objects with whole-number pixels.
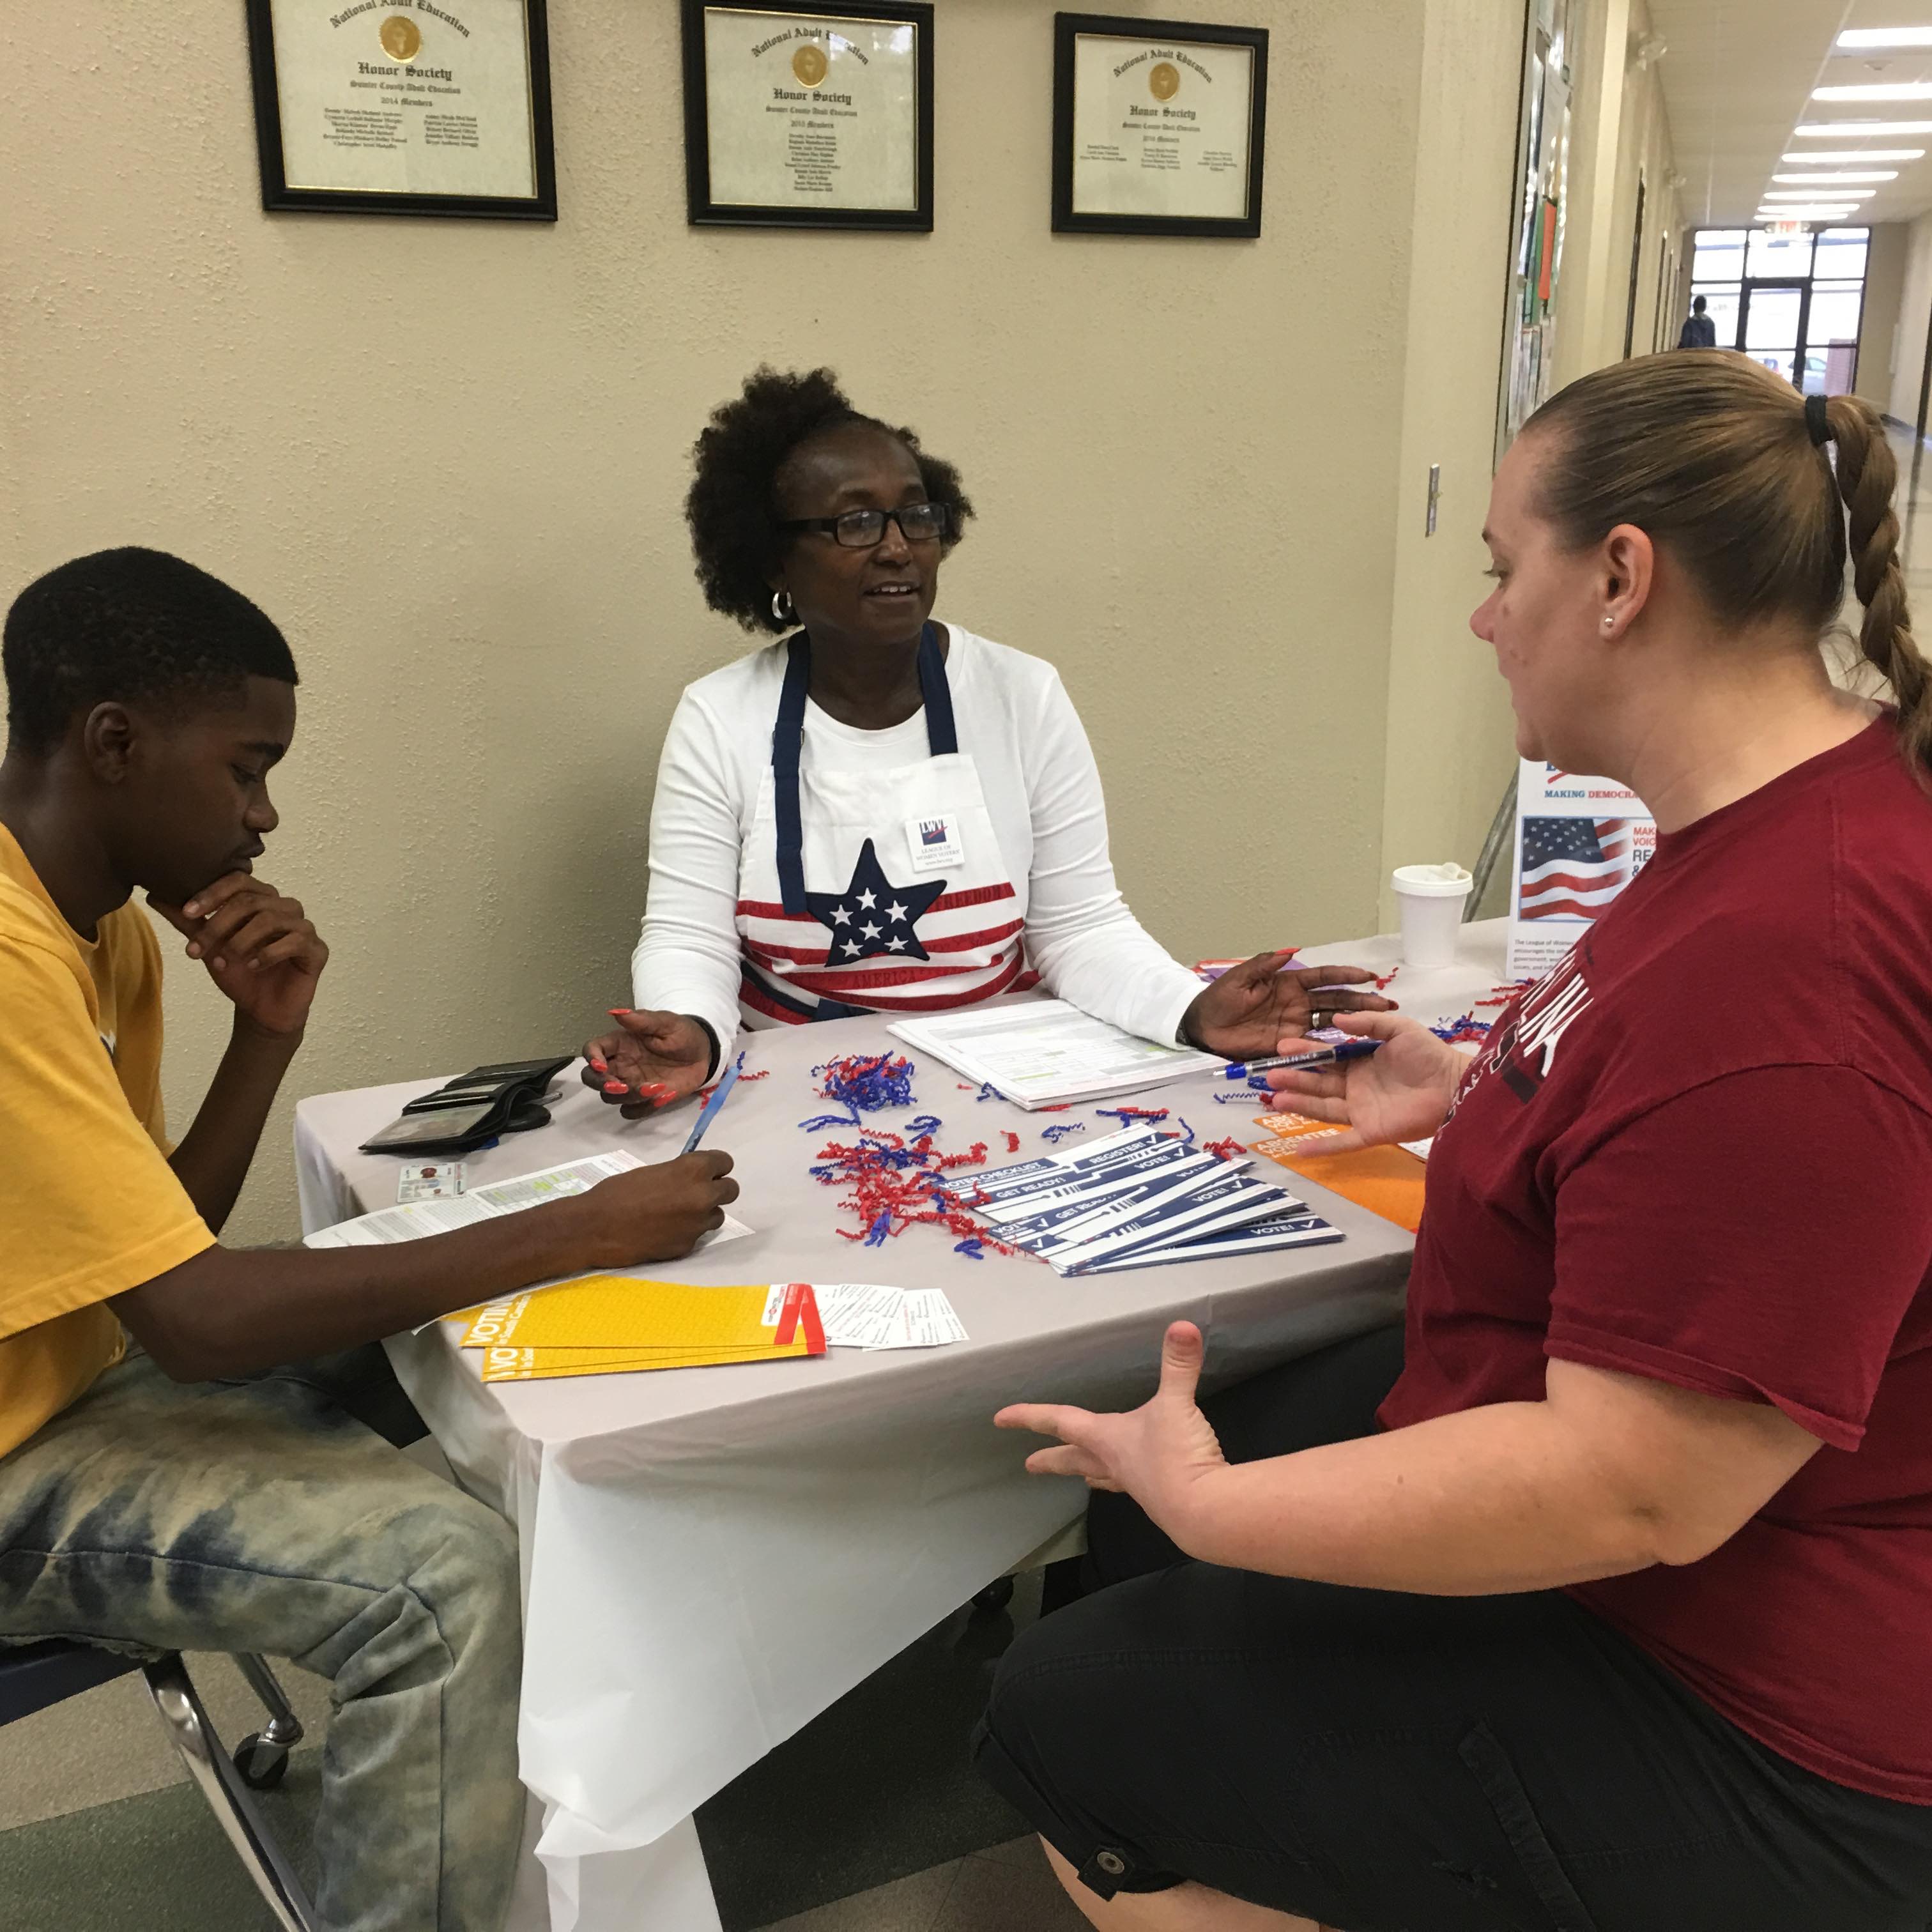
[
  {"x": 437, "y": 1181},
  {"x": 935, "y": 844}
]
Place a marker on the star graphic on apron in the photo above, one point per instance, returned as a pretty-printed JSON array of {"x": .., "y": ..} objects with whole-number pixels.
[{"x": 872, "y": 918}]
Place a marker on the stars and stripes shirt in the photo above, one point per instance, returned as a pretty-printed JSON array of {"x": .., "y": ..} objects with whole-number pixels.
[{"x": 718, "y": 943}]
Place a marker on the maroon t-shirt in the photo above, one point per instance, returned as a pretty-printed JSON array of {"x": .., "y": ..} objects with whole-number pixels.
[{"x": 1701, "y": 1151}]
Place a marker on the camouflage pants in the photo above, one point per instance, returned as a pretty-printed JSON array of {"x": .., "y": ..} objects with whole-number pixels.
[{"x": 262, "y": 1516}]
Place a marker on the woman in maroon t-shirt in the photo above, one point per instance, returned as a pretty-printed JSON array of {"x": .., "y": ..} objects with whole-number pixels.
[{"x": 1600, "y": 1596}]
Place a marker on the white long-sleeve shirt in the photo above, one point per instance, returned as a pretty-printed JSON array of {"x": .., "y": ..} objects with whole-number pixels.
[{"x": 1042, "y": 791}]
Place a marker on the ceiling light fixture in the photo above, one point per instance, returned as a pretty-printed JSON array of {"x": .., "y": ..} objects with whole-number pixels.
[
  {"x": 1801, "y": 214},
  {"x": 1859, "y": 130},
  {"x": 1836, "y": 180},
  {"x": 1903, "y": 90},
  {"x": 1857, "y": 40},
  {"x": 1815, "y": 159},
  {"x": 1851, "y": 194}
]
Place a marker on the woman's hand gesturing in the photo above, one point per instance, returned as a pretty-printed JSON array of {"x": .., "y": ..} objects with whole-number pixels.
[
  {"x": 1253, "y": 1006},
  {"x": 654, "y": 1059},
  {"x": 1402, "y": 1093},
  {"x": 1156, "y": 1453}
]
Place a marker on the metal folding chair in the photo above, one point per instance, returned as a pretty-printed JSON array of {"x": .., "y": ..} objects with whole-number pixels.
[{"x": 33, "y": 1676}]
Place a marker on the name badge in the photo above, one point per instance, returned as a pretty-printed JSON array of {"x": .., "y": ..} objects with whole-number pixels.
[{"x": 934, "y": 843}]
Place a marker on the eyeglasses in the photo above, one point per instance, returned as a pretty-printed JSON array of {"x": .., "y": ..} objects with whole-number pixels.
[{"x": 860, "y": 529}]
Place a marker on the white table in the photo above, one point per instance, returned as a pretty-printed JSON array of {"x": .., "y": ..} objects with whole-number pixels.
[{"x": 711, "y": 1558}]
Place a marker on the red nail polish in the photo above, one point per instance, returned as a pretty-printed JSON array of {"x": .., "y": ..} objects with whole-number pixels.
[
  {"x": 599, "y": 1066},
  {"x": 615, "y": 1086},
  {"x": 656, "y": 1089},
  {"x": 618, "y": 1013}
]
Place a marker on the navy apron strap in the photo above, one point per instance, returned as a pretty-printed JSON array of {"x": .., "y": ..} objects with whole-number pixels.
[
  {"x": 787, "y": 739},
  {"x": 942, "y": 739}
]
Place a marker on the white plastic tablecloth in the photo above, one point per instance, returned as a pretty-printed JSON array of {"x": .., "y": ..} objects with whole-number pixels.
[{"x": 711, "y": 1557}]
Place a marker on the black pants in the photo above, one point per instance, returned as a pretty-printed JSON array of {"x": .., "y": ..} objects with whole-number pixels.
[{"x": 1384, "y": 1763}]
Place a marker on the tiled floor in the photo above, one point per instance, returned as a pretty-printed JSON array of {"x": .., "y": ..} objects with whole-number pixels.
[{"x": 1914, "y": 510}]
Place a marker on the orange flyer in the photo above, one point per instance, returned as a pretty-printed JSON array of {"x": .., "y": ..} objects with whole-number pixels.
[{"x": 1386, "y": 1180}]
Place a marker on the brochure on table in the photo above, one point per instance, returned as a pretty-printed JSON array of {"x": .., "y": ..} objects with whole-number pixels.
[
  {"x": 1045, "y": 1052},
  {"x": 1578, "y": 842},
  {"x": 1137, "y": 1199}
]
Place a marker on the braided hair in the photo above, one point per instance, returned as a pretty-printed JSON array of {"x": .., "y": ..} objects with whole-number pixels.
[{"x": 1721, "y": 459}]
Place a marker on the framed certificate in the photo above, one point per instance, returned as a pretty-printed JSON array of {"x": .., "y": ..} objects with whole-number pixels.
[
  {"x": 799, "y": 119},
  {"x": 404, "y": 106},
  {"x": 1158, "y": 127}
]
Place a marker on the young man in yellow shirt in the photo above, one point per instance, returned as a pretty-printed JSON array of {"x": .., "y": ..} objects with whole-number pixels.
[{"x": 163, "y": 1482}]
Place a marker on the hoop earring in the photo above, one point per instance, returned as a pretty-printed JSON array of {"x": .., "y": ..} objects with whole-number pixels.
[{"x": 782, "y": 612}]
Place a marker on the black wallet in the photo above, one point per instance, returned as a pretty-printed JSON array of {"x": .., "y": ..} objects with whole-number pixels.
[{"x": 482, "y": 1104}]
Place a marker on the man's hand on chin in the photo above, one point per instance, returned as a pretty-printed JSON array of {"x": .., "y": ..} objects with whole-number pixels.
[{"x": 260, "y": 948}]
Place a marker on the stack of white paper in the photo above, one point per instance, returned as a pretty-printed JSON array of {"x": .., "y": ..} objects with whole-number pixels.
[
  {"x": 419, "y": 1218},
  {"x": 859, "y": 1315},
  {"x": 1044, "y": 1052},
  {"x": 1137, "y": 1199}
]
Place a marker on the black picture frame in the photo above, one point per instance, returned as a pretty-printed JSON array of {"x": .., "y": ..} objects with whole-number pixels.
[
  {"x": 704, "y": 212},
  {"x": 278, "y": 197},
  {"x": 1067, "y": 27}
]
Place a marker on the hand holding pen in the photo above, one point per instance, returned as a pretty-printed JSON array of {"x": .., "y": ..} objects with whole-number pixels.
[{"x": 1394, "y": 1081}]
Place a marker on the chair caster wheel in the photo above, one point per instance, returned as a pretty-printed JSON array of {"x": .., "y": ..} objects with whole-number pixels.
[
  {"x": 262, "y": 1765},
  {"x": 994, "y": 1597}
]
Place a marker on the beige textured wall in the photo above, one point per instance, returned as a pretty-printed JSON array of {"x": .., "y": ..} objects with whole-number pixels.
[
  {"x": 1880, "y": 345},
  {"x": 1450, "y": 733},
  {"x": 1620, "y": 127},
  {"x": 1915, "y": 320},
  {"x": 448, "y": 457},
  {"x": 1451, "y": 746}
]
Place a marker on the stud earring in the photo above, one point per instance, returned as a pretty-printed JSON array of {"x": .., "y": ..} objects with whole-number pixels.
[
  {"x": 782, "y": 612},
  {"x": 1609, "y": 623}
]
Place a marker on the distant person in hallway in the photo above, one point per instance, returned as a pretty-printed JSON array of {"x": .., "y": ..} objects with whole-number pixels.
[
  {"x": 1699, "y": 331},
  {"x": 1594, "y": 1595}
]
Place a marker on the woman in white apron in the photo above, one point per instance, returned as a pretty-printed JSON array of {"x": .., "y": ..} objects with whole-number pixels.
[{"x": 881, "y": 814}]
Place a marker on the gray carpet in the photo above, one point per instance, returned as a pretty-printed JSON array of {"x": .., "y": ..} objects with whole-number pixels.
[
  {"x": 877, "y": 1788},
  {"x": 156, "y": 1863}
]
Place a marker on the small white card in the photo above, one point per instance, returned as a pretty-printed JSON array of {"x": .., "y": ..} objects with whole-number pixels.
[
  {"x": 430, "y": 1180},
  {"x": 863, "y": 1315},
  {"x": 929, "y": 1321},
  {"x": 934, "y": 843}
]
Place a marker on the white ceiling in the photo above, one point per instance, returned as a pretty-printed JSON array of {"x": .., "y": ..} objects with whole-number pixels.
[{"x": 1738, "y": 78}]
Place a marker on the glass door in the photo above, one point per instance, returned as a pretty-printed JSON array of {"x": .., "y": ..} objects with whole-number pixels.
[
  {"x": 1836, "y": 316},
  {"x": 1794, "y": 302},
  {"x": 1772, "y": 324}
]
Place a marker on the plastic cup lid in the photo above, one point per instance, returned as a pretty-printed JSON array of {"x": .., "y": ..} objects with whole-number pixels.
[{"x": 1433, "y": 882}]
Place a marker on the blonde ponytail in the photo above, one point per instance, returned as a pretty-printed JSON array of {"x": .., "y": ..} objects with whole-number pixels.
[{"x": 1867, "y": 481}]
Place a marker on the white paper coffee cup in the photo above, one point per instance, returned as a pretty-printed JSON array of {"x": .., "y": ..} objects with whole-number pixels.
[{"x": 1431, "y": 898}]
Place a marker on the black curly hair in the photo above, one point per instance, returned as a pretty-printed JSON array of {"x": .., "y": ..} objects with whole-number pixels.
[
  {"x": 134, "y": 625},
  {"x": 733, "y": 506}
]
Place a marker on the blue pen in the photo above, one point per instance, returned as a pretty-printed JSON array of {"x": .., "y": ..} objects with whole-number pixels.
[
  {"x": 709, "y": 1112},
  {"x": 1326, "y": 1056}
]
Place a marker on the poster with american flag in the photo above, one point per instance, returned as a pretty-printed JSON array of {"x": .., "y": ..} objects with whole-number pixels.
[{"x": 1579, "y": 840}]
